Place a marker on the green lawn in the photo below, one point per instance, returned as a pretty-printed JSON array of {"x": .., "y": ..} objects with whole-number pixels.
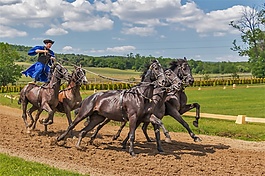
[
  {"x": 239, "y": 101},
  {"x": 14, "y": 166}
]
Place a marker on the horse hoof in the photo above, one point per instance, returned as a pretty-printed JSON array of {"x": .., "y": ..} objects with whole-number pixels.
[
  {"x": 197, "y": 139},
  {"x": 195, "y": 123},
  {"x": 28, "y": 131},
  {"x": 168, "y": 140},
  {"x": 48, "y": 123},
  {"x": 60, "y": 143},
  {"x": 150, "y": 140},
  {"x": 161, "y": 152},
  {"x": 41, "y": 121},
  {"x": 78, "y": 147},
  {"x": 132, "y": 154}
]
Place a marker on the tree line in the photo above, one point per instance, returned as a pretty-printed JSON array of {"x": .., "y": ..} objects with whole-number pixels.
[{"x": 137, "y": 62}]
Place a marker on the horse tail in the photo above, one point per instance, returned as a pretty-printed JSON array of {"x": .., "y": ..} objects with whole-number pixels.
[{"x": 22, "y": 95}]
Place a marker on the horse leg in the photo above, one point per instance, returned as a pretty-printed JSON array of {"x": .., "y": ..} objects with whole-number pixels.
[
  {"x": 80, "y": 116},
  {"x": 36, "y": 119},
  {"x": 156, "y": 124},
  {"x": 188, "y": 107},
  {"x": 184, "y": 107},
  {"x": 29, "y": 112},
  {"x": 93, "y": 137},
  {"x": 49, "y": 119},
  {"x": 176, "y": 115},
  {"x": 115, "y": 137},
  {"x": 24, "y": 109},
  {"x": 69, "y": 118},
  {"x": 155, "y": 120},
  {"x": 94, "y": 120},
  {"x": 144, "y": 129},
  {"x": 132, "y": 127},
  {"x": 124, "y": 142},
  {"x": 157, "y": 135}
]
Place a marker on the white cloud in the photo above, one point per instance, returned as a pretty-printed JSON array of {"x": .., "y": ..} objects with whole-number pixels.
[
  {"x": 113, "y": 50},
  {"x": 8, "y": 2},
  {"x": 119, "y": 49},
  {"x": 6, "y": 31},
  {"x": 214, "y": 23},
  {"x": 70, "y": 49},
  {"x": 231, "y": 58},
  {"x": 141, "y": 31},
  {"x": 56, "y": 31},
  {"x": 81, "y": 15},
  {"x": 91, "y": 24}
]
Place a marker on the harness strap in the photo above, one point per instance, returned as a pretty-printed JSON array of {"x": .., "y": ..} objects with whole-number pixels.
[
  {"x": 39, "y": 99},
  {"x": 123, "y": 113}
]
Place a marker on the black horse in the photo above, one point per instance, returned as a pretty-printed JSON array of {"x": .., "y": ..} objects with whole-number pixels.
[
  {"x": 175, "y": 103},
  {"x": 122, "y": 105},
  {"x": 42, "y": 97},
  {"x": 173, "y": 83}
]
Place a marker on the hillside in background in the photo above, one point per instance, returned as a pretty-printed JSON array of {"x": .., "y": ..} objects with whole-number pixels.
[{"x": 137, "y": 62}]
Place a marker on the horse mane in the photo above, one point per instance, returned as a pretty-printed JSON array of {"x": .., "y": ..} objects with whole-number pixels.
[{"x": 177, "y": 63}]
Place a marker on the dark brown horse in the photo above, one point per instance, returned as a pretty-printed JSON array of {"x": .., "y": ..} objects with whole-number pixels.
[
  {"x": 175, "y": 102},
  {"x": 121, "y": 105},
  {"x": 182, "y": 69},
  {"x": 70, "y": 98},
  {"x": 173, "y": 83},
  {"x": 42, "y": 97}
]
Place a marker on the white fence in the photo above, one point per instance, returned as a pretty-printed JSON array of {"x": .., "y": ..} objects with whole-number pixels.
[{"x": 240, "y": 119}]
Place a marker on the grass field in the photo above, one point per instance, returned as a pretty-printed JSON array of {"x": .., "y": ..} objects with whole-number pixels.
[
  {"x": 239, "y": 101},
  {"x": 14, "y": 166}
]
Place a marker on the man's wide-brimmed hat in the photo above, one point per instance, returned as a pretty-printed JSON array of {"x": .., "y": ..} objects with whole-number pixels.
[{"x": 48, "y": 41}]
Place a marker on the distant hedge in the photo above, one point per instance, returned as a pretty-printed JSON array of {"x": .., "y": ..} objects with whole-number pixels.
[
  {"x": 116, "y": 86},
  {"x": 90, "y": 86}
]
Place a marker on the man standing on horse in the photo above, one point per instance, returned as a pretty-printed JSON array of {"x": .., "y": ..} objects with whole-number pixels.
[{"x": 41, "y": 69}]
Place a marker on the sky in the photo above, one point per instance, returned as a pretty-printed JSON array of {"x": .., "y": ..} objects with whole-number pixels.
[{"x": 197, "y": 29}]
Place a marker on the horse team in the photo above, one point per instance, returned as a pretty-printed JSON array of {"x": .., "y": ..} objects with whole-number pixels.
[{"x": 161, "y": 92}]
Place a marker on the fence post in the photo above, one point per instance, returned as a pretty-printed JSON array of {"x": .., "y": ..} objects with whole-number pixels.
[{"x": 241, "y": 119}]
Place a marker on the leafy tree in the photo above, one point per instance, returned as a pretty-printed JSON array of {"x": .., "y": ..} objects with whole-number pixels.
[
  {"x": 9, "y": 71},
  {"x": 252, "y": 31}
]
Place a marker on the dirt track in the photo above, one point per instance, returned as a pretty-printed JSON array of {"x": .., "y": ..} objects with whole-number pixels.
[{"x": 212, "y": 156}]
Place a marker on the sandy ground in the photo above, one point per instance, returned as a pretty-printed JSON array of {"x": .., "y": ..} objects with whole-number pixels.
[{"x": 212, "y": 156}]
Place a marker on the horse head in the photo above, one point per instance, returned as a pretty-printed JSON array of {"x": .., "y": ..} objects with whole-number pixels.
[
  {"x": 155, "y": 73},
  {"x": 59, "y": 71},
  {"x": 172, "y": 81},
  {"x": 79, "y": 76},
  {"x": 183, "y": 71}
]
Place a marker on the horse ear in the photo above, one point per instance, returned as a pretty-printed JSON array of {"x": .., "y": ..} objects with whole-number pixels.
[{"x": 185, "y": 58}]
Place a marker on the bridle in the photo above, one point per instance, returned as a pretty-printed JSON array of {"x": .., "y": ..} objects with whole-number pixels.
[{"x": 79, "y": 77}]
